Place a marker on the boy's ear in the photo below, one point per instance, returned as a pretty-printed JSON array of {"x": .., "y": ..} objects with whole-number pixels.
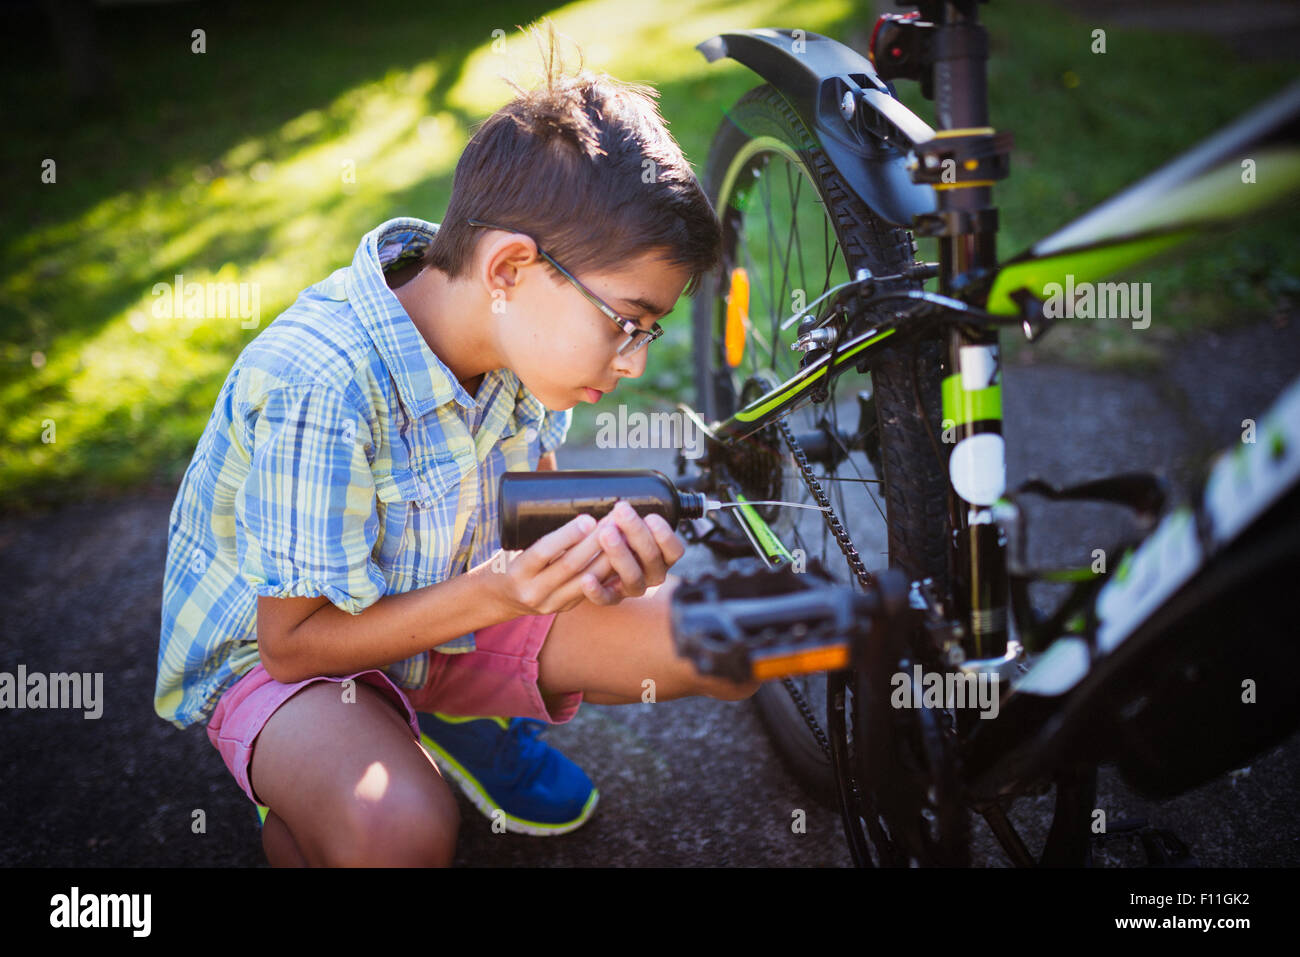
[{"x": 504, "y": 257}]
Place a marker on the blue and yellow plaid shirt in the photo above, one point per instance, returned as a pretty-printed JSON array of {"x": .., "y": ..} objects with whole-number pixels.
[{"x": 342, "y": 459}]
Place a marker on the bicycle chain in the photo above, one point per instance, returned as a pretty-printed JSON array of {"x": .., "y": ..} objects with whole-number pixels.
[
  {"x": 855, "y": 562},
  {"x": 850, "y": 553},
  {"x": 832, "y": 520},
  {"x": 805, "y": 710}
]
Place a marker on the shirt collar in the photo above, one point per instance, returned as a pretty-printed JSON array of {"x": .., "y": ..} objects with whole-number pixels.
[
  {"x": 528, "y": 408},
  {"x": 423, "y": 381}
]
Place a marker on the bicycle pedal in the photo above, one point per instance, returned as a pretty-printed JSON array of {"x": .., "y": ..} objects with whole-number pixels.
[{"x": 758, "y": 623}]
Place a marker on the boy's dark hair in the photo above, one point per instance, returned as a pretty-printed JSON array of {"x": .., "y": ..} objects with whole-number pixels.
[{"x": 585, "y": 165}]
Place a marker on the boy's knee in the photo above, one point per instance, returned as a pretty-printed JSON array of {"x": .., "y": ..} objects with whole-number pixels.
[
  {"x": 408, "y": 825},
  {"x": 704, "y": 685}
]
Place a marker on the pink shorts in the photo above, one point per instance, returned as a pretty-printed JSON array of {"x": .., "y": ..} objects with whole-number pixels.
[{"x": 499, "y": 678}]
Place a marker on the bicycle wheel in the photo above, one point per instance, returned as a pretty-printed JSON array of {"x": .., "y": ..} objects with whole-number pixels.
[{"x": 796, "y": 230}]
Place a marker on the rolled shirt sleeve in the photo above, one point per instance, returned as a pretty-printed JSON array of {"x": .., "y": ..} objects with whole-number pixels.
[{"x": 305, "y": 517}]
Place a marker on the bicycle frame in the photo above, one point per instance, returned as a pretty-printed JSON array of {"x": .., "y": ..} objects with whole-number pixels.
[
  {"x": 869, "y": 136},
  {"x": 867, "y": 143}
]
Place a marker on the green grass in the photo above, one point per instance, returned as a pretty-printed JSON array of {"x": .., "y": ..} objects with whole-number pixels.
[{"x": 229, "y": 166}]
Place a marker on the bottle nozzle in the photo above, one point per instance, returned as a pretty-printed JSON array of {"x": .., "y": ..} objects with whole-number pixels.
[
  {"x": 711, "y": 505},
  {"x": 697, "y": 504}
]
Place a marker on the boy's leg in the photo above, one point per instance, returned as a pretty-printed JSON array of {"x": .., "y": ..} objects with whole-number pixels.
[
  {"x": 608, "y": 651},
  {"x": 502, "y": 764},
  {"x": 278, "y": 843},
  {"x": 350, "y": 782}
]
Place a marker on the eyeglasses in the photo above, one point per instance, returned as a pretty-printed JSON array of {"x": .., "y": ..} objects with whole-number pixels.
[{"x": 637, "y": 338}]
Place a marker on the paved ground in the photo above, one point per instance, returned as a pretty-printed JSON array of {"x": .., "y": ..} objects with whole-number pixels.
[{"x": 683, "y": 783}]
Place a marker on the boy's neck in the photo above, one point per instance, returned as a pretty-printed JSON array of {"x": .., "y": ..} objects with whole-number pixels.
[{"x": 429, "y": 298}]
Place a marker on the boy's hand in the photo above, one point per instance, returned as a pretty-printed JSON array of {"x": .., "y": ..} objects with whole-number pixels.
[
  {"x": 620, "y": 558},
  {"x": 636, "y": 555}
]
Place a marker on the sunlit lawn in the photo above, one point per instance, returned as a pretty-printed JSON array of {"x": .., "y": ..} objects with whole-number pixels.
[{"x": 264, "y": 160}]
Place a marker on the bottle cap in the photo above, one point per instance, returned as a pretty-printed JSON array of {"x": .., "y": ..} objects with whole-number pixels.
[{"x": 693, "y": 504}]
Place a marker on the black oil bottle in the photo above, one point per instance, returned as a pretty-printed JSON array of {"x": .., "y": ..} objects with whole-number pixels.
[{"x": 536, "y": 503}]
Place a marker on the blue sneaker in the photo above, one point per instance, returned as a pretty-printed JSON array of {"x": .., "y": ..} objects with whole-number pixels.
[{"x": 502, "y": 765}]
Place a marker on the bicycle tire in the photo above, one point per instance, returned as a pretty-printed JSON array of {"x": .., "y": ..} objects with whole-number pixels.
[{"x": 915, "y": 488}]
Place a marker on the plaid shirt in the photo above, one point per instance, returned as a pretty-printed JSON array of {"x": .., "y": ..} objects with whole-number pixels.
[{"x": 342, "y": 459}]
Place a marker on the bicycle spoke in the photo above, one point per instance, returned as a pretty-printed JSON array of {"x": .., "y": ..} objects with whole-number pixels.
[
  {"x": 751, "y": 329},
  {"x": 789, "y": 245},
  {"x": 874, "y": 500},
  {"x": 841, "y": 478},
  {"x": 798, "y": 233},
  {"x": 771, "y": 272}
]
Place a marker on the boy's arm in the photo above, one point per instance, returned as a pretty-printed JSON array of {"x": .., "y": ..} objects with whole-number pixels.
[
  {"x": 305, "y": 527},
  {"x": 303, "y": 637},
  {"x": 285, "y": 625}
]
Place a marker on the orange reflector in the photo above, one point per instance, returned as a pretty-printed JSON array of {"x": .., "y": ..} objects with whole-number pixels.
[
  {"x": 832, "y": 658},
  {"x": 737, "y": 316}
]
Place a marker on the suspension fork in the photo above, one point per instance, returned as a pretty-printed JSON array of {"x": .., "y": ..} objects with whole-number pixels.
[{"x": 961, "y": 162}]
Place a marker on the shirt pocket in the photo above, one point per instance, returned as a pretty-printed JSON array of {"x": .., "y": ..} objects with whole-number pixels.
[{"x": 420, "y": 507}]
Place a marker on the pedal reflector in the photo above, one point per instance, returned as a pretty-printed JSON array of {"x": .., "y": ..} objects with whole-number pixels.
[{"x": 832, "y": 658}]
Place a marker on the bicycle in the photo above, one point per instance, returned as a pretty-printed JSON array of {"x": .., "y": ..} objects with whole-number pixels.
[{"x": 1094, "y": 680}]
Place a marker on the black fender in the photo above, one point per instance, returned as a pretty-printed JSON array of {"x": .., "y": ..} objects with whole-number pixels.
[{"x": 869, "y": 148}]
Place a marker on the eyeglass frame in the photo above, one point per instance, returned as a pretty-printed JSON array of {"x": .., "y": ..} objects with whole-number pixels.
[{"x": 637, "y": 337}]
